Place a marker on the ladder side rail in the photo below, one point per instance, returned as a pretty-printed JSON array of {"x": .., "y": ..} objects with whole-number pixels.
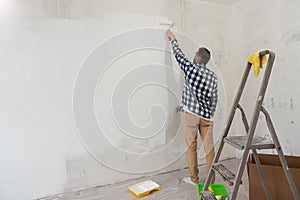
[
  {"x": 237, "y": 99},
  {"x": 254, "y": 120},
  {"x": 244, "y": 118},
  {"x": 261, "y": 174},
  {"x": 280, "y": 154},
  {"x": 228, "y": 123}
]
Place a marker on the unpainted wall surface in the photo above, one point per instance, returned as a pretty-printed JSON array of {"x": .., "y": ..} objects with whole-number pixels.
[
  {"x": 260, "y": 25},
  {"x": 45, "y": 44}
]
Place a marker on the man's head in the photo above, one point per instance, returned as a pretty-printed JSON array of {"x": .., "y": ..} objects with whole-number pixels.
[{"x": 202, "y": 56}]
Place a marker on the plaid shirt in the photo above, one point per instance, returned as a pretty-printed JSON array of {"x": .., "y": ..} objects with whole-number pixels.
[{"x": 200, "y": 93}]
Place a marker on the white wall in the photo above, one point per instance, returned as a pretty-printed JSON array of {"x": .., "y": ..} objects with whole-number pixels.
[
  {"x": 44, "y": 43},
  {"x": 260, "y": 25}
]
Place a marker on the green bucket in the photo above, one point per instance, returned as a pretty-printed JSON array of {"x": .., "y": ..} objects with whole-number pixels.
[{"x": 219, "y": 190}]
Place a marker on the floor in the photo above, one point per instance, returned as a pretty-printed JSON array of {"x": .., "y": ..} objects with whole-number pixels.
[{"x": 172, "y": 187}]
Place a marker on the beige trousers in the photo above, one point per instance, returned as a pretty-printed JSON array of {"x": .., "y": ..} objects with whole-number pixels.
[{"x": 193, "y": 124}]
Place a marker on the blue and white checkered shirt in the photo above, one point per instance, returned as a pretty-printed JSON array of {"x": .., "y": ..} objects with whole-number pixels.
[{"x": 200, "y": 93}]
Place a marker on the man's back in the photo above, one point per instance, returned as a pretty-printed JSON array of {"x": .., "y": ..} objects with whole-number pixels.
[{"x": 200, "y": 93}]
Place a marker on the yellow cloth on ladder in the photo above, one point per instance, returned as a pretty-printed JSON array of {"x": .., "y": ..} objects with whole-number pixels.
[{"x": 257, "y": 62}]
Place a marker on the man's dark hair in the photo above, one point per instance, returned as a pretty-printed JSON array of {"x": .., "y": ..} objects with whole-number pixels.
[{"x": 204, "y": 55}]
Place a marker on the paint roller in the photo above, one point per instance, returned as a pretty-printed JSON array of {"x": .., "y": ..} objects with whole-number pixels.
[{"x": 169, "y": 24}]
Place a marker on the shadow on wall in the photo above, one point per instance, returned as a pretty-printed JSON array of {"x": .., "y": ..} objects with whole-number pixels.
[{"x": 174, "y": 116}]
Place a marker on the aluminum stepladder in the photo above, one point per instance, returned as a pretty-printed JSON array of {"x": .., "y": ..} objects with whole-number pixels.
[{"x": 249, "y": 141}]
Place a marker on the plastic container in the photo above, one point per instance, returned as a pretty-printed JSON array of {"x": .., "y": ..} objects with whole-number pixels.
[
  {"x": 219, "y": 190},
  {"x": 143, "y": 188}
]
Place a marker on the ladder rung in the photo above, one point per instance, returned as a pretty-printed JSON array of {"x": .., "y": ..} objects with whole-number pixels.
[
  {"x": 257, "y": 142},
  {"x": 226, "y": 174},
  {"x": 207, "y": 195}
]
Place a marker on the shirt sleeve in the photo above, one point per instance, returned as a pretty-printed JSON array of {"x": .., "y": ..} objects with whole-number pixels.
[
  {"x": 214, "y": 97},
  {"x": 183, "y": 62}
]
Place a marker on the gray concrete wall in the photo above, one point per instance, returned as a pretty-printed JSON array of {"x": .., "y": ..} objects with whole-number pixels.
[
  {"x": 43, "y": 47},
  {"x": 274, "y": 27}
]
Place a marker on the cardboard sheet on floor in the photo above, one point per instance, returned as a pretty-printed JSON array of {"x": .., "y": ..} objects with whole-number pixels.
[
  {"x": 274, "y": 175},
  {"x": 143, "y": 188}
]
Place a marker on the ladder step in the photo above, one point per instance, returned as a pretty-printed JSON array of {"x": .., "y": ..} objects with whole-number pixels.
[
  {"x": 226, "y": 174},
  {"x": 207, "y": 195},
  {"x": 257, "y": 142}
]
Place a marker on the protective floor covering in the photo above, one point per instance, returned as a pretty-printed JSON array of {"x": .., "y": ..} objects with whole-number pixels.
[{"x": 172, "y": 187}]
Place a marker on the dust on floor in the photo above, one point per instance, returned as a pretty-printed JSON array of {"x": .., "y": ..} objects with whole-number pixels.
[{"x": 172, "y": 187}]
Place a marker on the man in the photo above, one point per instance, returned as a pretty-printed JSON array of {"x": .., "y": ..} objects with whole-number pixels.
[{"x": 199, "y": 99}]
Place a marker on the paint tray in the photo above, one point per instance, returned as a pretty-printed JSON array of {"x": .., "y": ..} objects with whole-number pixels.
[
  {"x": 219, "y": 190},
  {"x": 143, "y": 188}
]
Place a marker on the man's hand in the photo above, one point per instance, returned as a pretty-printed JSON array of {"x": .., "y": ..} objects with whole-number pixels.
[{"x": 170, "y": 35}]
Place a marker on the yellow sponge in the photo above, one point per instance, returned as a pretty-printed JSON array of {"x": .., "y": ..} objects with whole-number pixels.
[
  {"x": 257, "y": 62},
  {"x": 211, "y": 190}
]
